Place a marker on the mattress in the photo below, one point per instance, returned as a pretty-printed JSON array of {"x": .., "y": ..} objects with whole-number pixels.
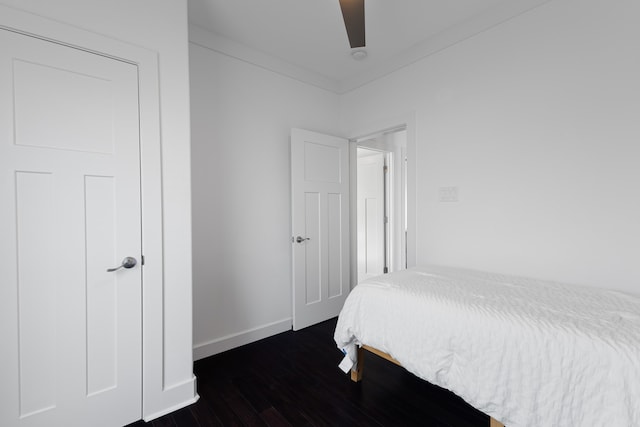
[{"x": 526, "y": 352}]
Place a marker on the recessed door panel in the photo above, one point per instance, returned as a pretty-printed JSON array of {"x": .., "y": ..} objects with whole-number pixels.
[
  {"x": 36, "y": 252},
  {"x": 101, "y": 286},
  {"x": 62, "y": 108},
  {"x": 313, "y": 276},
  {"x": 322, "y": 163},
  {"x": 334, "y": 245}
]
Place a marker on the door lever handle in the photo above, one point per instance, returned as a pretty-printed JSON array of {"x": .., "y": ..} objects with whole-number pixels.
[
  {"x": 128, "y": 262},
  {"x": 300, "y": 239}
]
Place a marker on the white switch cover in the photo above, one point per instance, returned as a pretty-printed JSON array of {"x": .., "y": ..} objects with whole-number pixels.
[{"x": 448, "y": 194}]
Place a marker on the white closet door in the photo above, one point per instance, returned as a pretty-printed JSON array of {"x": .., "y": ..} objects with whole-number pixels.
[{"x": 70, "y": 189}]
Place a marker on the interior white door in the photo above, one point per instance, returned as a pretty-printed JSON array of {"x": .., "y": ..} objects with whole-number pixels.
[
  {"x": 370, "y": 214},
  {"x": 320, "y": 225},
  {"x": 70, "y": 189}
]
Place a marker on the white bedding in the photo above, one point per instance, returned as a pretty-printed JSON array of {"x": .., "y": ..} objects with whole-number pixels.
[{"x": 526, "y": 352}]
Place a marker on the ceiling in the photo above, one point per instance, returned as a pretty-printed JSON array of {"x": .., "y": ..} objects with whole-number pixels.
[{"x": 310, "y": 36}]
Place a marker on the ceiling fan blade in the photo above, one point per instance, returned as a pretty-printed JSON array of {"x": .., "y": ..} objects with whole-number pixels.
[{"x": 353, "y": 14}]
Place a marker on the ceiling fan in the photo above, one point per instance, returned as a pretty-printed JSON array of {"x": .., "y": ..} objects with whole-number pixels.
[{"x": 353, "y": 15}]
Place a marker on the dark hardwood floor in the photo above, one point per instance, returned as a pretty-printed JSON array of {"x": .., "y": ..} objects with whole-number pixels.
[{"x": 292, "y": 379}]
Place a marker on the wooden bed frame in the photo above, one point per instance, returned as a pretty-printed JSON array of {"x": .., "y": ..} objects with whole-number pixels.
[{"x": 356, "y": 374}]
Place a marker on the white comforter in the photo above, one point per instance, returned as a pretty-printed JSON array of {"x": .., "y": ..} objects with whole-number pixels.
[{"x": 526, "y": 352}]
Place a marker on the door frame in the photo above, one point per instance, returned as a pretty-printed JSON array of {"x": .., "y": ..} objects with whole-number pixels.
[
  {"x": 408, "y": 121},
  {"x": 155, "y": 398}
]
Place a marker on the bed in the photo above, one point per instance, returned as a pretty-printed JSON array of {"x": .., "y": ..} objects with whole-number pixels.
[{"x": 525, "y": 352}]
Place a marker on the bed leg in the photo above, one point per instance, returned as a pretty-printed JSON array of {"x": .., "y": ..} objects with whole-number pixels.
[
  {"x": 356, "y": 374},
  {"x": 495, "y": 423}
]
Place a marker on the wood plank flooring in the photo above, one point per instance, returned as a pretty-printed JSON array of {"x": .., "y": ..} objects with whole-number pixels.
[{"x": 292, "y": 379}]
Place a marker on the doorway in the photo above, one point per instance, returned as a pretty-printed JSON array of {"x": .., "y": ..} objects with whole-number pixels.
[
  {"x": 320, "y": 284},
  {"x": 381, "y": 203}
]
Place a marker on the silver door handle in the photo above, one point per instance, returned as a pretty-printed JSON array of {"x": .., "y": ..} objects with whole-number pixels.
[
  {"x": 128, "y": 262},
  {"x": 300, "y": 239}
]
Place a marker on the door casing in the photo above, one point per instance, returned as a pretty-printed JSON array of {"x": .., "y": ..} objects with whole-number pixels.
[
  {"x": 159, "y": 395},
  {"x": 407, "y": 121},
  {"x": 77, "y": 198}
]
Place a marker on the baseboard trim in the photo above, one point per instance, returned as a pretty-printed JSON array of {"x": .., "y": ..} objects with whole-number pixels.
[
  {"x": 163, "y": 402},
  {"x": 200, "y": 351},
  {"x": 171, "y": 409}
]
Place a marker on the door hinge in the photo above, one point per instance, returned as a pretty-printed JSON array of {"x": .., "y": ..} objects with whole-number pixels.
[
  {"x": 386, "y": 270},
  {"x": 385, "y": 169},
  {"x": 141, "y": 259}
]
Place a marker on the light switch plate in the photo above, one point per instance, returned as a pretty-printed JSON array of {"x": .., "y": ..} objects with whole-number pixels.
[{"x": 448, "y": 194}]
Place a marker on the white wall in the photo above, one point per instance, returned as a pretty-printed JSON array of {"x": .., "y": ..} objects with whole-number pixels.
[
  {"x": 159, "y": 26},
  {"x": 242, "y": 115},
  {"x": 537, "y": 122}
]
